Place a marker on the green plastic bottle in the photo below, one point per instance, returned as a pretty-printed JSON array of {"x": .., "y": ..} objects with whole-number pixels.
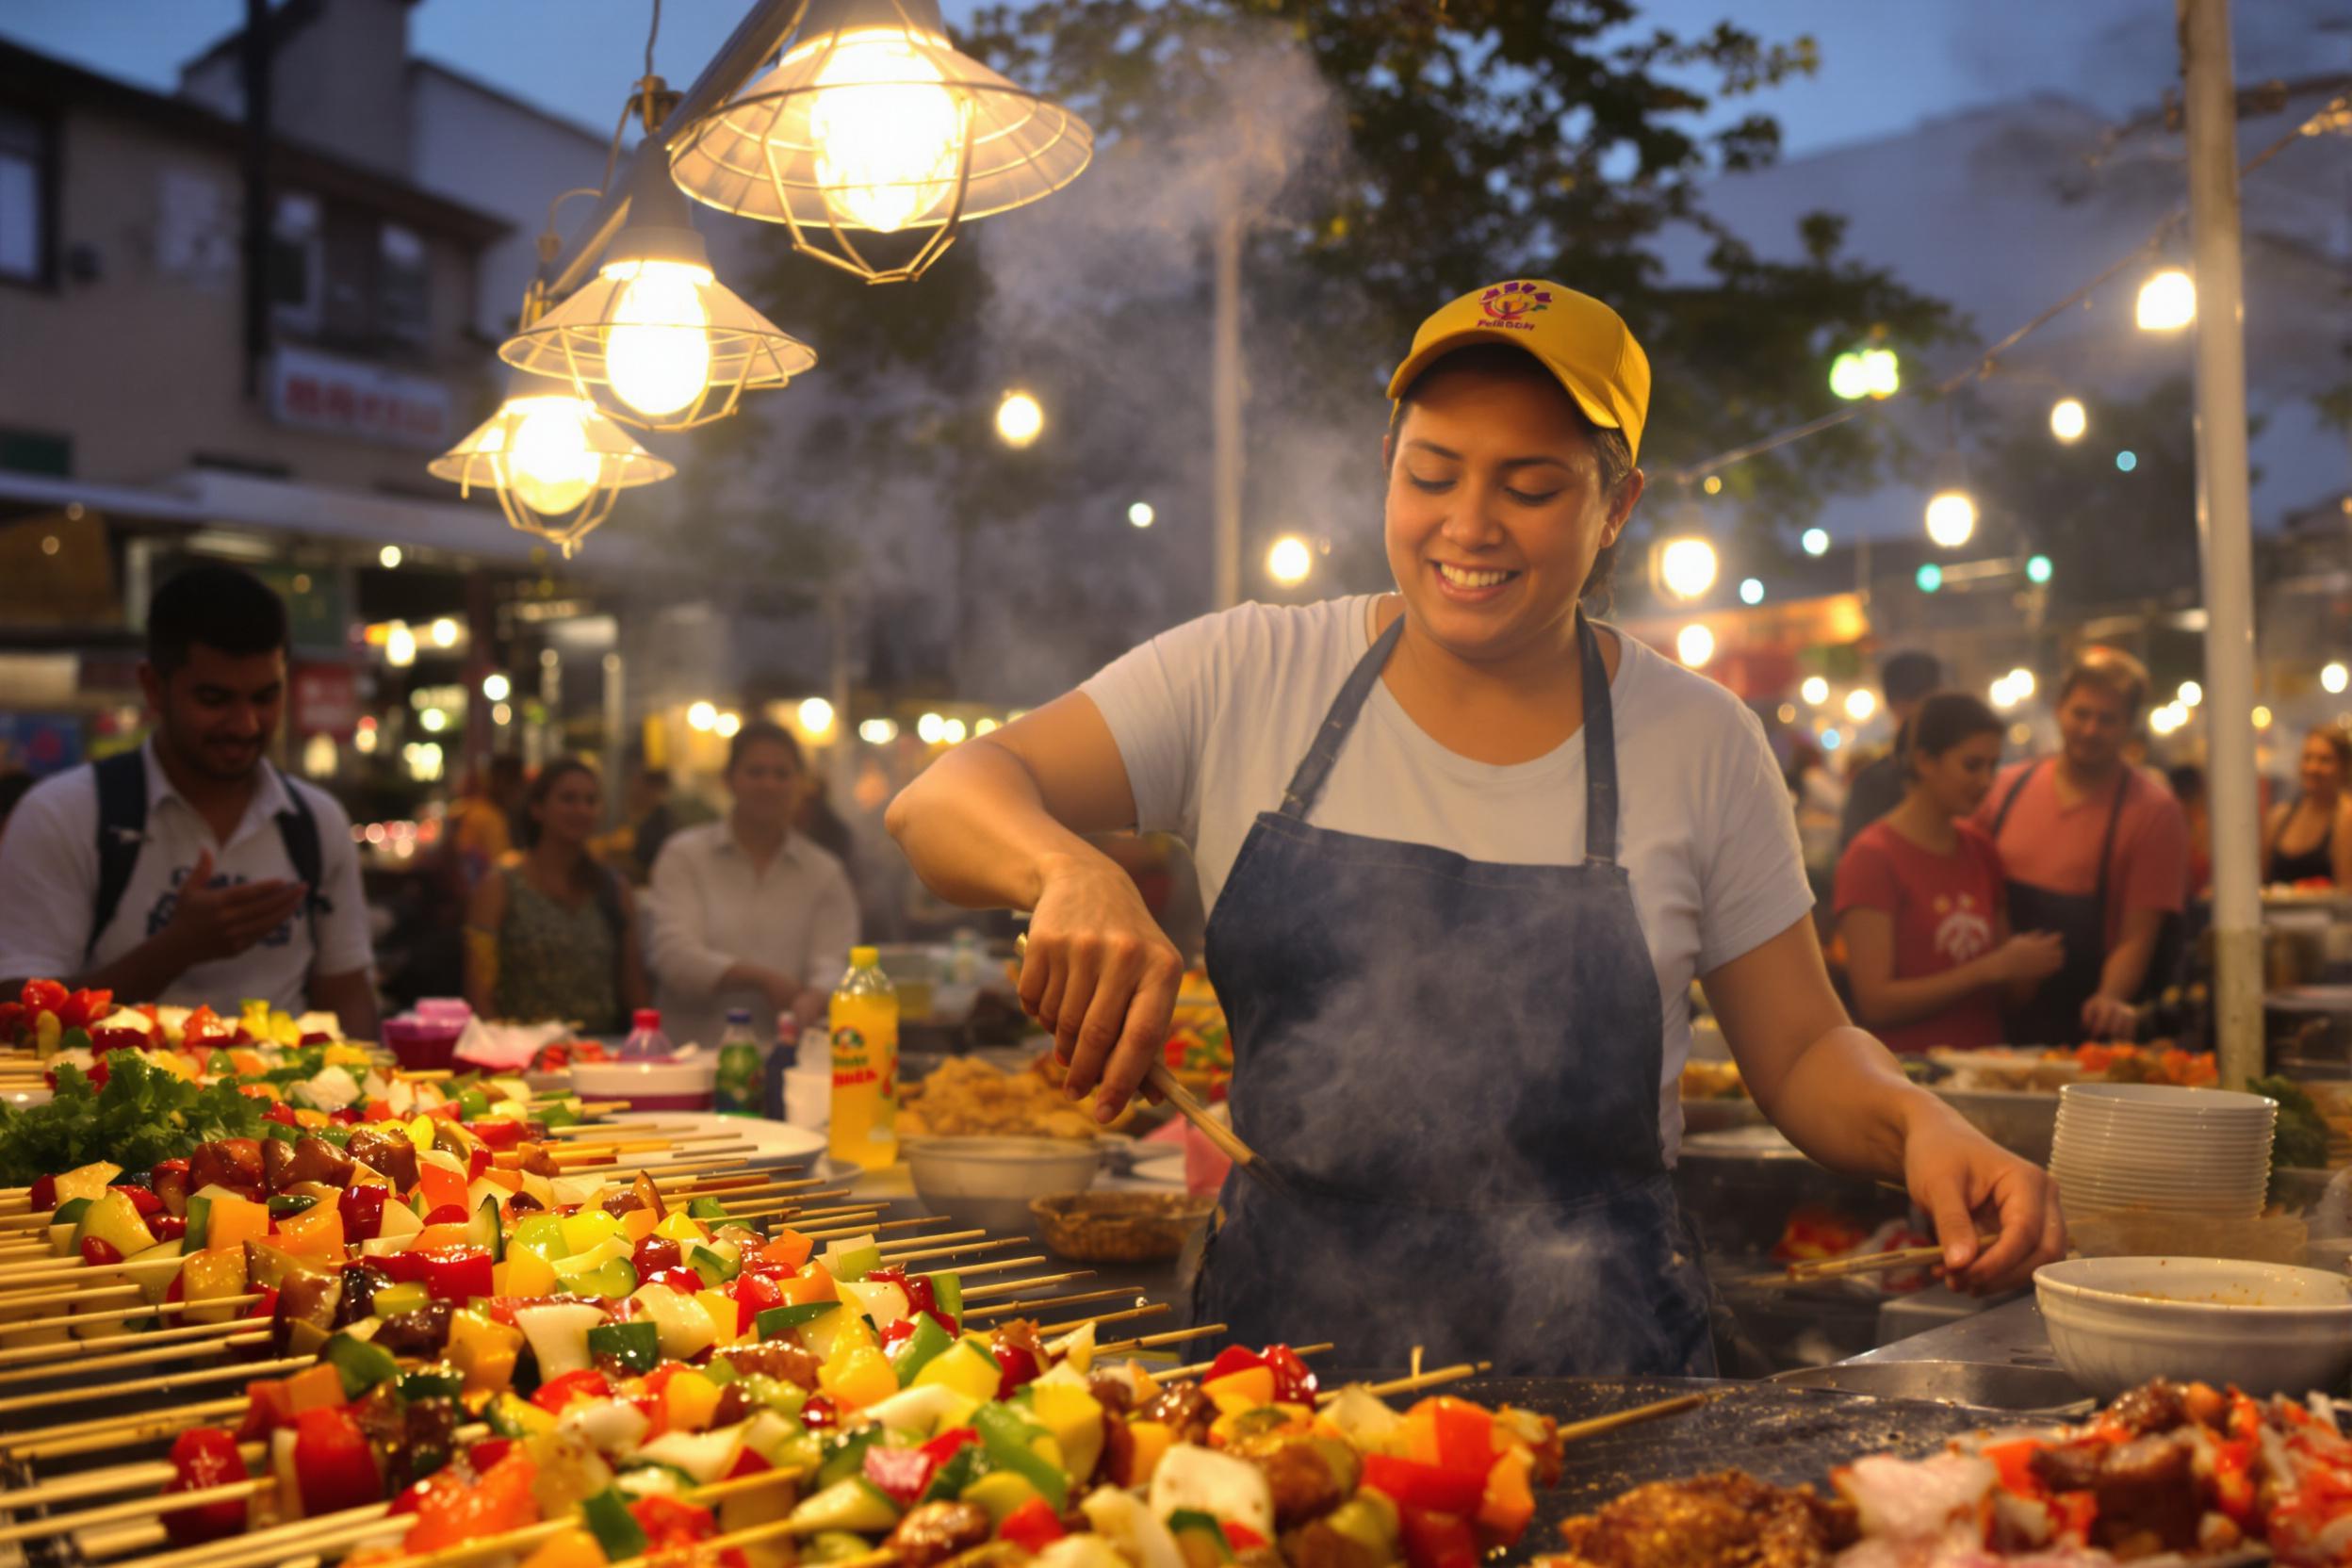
[{"x": 737, "y": 1091}]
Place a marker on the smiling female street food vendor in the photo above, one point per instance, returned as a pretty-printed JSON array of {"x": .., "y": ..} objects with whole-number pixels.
[{"x": 1464, "y": 851}]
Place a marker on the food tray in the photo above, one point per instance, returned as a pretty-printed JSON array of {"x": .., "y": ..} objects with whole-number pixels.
[{"x": 1119, "y": 1227}]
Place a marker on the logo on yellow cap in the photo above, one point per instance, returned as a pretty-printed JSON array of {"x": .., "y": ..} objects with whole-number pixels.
[{"x": 1506, "y": 303}]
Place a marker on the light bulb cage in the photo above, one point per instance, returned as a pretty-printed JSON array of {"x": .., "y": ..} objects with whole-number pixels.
[
  {"x": 484, "y": 458},
  {"x": 758, "y": 157},
  {"x": 571, "y": 342}
]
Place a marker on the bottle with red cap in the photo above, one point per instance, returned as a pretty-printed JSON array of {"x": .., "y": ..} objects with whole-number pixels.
[{"x": 646, "y": 1040}]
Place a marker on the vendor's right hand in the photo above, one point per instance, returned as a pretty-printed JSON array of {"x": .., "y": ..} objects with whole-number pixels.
[
  {"x": 2030, "y": 955},
  {"x": 211, "y": 923},
  {"x": 1101, "y": 975}
]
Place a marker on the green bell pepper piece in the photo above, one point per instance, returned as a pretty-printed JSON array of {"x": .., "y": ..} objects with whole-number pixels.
[
  {"x": 542, "y": 1233},
  {"x": 285, "y": 1205},
  {"x": 960, "y": 1471},
  {"x": 776, "y": 1321},
  {"x": 392, "y": 1301},
  {"x": 71, "y": 1211},
  {"x": 708, "y": 1208},
  {"x": 636, "y": 1344},
  {"x": 857, "y": 1264},
  {"x": 439, "y": 1381},
  {"x": 845, "y": 1455},
  {"x": 198, "y": 1221},
  {"x": 361, "y": 1364},
  {"x": 835, "y": 1546},
  {"x": 559, "y": 1114},
  {"x": 472, "y": 1105},
  {"x": 947, "y": 1290},
  {"x": 927, "y": 1342},
  {"x": 715, "y": 1270},
  {"x": 612, "y": 1279},
  {"x": 607, "y": 1519},
  {"x": 219, "y": 1063},
  {"x": 281, "y": 1131},
  {"x": 1192, "y": 1521},
  {"x": 1006, "y": 1437}
]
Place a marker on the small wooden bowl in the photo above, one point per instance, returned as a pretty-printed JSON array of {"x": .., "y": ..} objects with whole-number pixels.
[{"x": 1119, "y": 1227}]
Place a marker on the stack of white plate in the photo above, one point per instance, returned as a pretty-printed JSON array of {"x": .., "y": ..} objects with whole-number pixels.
[{"x": 2150, "y": 1146}]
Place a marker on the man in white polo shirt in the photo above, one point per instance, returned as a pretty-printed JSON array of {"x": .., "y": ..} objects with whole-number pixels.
[{"x": 191, "y": 871}]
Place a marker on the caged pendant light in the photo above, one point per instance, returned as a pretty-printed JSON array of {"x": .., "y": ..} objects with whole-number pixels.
[
  {"x": 874, "y": 123},
  {"x": 655, "y": 339},
  {"x": 555, "y": 461}
]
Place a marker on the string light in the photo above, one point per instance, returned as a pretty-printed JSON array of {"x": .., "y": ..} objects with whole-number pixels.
[
  {"x": 1751, "y": 590},
  {"x": 2334, "y": 678},
  {"x": 1019, "y": 419},
  {"x": 1815, "y": 541},
  {"x": 497, "y": 687},
  {"x": 1695, "y": 645},
  {"x": 2067, "y": 420},
  {"x": 816, "y": 718},
  {"x": 879, "y": 732},
  {"x": 702, "y": 716},
  {"x": 1289, "y": 560},
  {"x": 2168, "y": 301},
  {"x": 1686, "y": 566},
  {"x": 1815, "y": 690},
  {"x": 1860, "y": 704},
  {"x": 1951, "y": 519},
  {"x": 1141, "y": 516}
]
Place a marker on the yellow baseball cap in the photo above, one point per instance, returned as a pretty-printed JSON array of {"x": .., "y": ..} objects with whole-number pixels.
[{"x": 1577, "y": 338}]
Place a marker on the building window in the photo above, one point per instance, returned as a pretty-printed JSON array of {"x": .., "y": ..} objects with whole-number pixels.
[
  {"x": 401, "y": 313},
  {"x": 297, "y": 247},
  {"x": 344, "y": 279},
  {"x": 23, "y": 199}
]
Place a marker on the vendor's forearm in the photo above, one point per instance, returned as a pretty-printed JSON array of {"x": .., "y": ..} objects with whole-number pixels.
[
  {"x": 144, "y": 972},
  {"x": 975, "y": 828},
  {"x": 1846, "y": 1104},
  {"x": 2125, "y": 968}
]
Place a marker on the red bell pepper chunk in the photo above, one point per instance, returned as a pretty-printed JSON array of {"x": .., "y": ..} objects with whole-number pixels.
[
  {"x": 266, "y": 1408},
  {"x": 1435, "y": 1540},
  {"x": 1294, "y": 1381},
  {"x": 944, "y": 1448},
  {"x": 42, "y": 996},
  {"x": 402, "y": 1268},
  {"x": 363, "y": 1212},
  {"x": 447, "y": 1111},
  {"x": 347, "y": 1117},
  {"x": 559, "y": 1392},
  {"x": 1466, "y": 1435},
  {"x": 900, "y": 1473},
  {"x": 1033, "y": 1527},
  {"x": 444, "y": 1214},
  {"x": 754, "y": 1294},
  {"x": 205, "y": 1457},
  {"x": 670, "y": 1524},
  {"x": 168, "y": 1227},
  {"x": 1015, "y": 1366},
  {"x": 683, "y": 1281},
  {"x": 449, "y": 1512},
  {"x": 1429, "y": 1487},
  {"x": 747, "y": 1463},
  {"x": 104, "y": 1040},
  {"x": 482, "y": 1455},
  {"x": 264, "y": 1308},
  {"x": 280, "y": 1113},
  {"x": 334, "y": 1466},
  {"x": 818, "y": 1413},
  {"x": 476, "y": 1161},
  {"x": 145, "y": 1202},
  {"x": 1240, "y": 1537},
  {"x": 1232, "y": 1359},
  {"x": 456, "y": 1274},
  {"x": 497, "y": 1132},
  {"x": 897, "y": 1334},
  {"x": 98, "y": 1251}
]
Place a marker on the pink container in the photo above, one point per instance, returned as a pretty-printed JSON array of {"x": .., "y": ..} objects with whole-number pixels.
[
  {"x": 679, "y": 1083},
  {"x": 423, "y": 1045}
]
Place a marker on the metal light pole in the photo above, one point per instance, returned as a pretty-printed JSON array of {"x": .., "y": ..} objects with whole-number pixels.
[
  {"x": 2224, "y": 525},
  {"x": 1225, "y": 399}
]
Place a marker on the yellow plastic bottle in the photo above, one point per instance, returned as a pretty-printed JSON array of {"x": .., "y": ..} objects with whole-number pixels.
[{"x": 864, "y": 1020}]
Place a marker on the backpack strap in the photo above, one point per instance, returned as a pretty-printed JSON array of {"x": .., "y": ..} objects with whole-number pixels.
[
  {"x": 298, "y": 827},
  {"x": 121, "y": 781}
]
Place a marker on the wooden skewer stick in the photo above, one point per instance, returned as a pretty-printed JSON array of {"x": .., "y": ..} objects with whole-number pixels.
[
  {"x": 1001, "y": 1265},
  {"x": 898, "y": 1251},
  {"x": 288, "y": 1543},
  {"x": 168, "y": 1384},
  {"x": 113, "y": 1431},
  {"x": 1597, "y": 1425},
  {"x": 1014, "y": 1287},
  {"x": 98, "y": 1483},
  {"x": 138, "y": 1508},
  {"x": 1150, "y": 1309},
  {"x": 996, "y": 1309},
  {"x": 79, "y": 1319},
  {"x": 254, "y": 1335},
  {"x": 80, "y": 1348},
  {"x": 1198, "y": 1367},
  {"x": 1174, "y": 1336},
  {"x": 1418, "y": 1381}
]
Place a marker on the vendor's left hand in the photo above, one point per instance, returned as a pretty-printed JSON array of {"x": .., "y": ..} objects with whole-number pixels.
[
  {"x": 2107, "y": 1019},
  {"x": 1970, "y": 1186}
]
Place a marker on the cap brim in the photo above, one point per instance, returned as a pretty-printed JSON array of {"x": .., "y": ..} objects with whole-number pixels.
[{"x": 1596, "y": 409}]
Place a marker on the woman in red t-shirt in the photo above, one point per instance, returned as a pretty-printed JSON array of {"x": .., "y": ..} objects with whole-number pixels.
[{"x": 1920, "y": 902}]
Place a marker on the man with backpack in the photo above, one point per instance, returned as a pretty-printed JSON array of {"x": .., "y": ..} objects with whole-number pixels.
[{"x": 191, "y": 871}]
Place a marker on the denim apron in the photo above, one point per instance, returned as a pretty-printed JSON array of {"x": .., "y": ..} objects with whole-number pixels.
[
  {"x": 1454, "y": 1066},
  {"x": 2054, "y": 1014}
]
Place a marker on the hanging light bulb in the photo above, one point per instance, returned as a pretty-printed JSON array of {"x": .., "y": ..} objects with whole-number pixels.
[
  {"x": 674, "y": 347},
  {"x": 2168, "y": 301},
  {"x": 887, "y": 131},
  {"x": 1686, "y": 566},
  {"x": 2069, "y": 421},
  {"x": 1951, "y": 519},
  {"x": 556, "y": 462},
  {"x": 874, "y": 123}
]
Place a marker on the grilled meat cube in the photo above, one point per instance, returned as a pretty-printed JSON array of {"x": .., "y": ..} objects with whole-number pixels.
[
  {"x": 317, "y": 1160},
  {"x": 934, "y": 1532},
  {"x": 1308, "y": 1476},
  {"x": 422, "y": 1332},
  {"x": 787, "y": 1364},
  {"x": 1726, "y": 1517},
  {"x": 389, "y": 1155},
  {"x": 361, "y": 1281},
  {"x": 2068, "y": 1467},
  {"x": 1185, "y": 1409},
  {"x": 2153, "y": 1407},
  {"x": 2148, "y": 1499}
]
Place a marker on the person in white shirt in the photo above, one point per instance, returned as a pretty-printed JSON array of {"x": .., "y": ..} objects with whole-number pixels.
[
  {"x": 748, "y": 913},
  {"x": 191, "y": 871},
  {"x": 1466, "y": 852}
]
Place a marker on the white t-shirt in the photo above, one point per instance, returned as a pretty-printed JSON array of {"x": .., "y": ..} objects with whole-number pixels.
[
  {"x": 49, "y": 890},
  {"x": 1213, "y": 717}
]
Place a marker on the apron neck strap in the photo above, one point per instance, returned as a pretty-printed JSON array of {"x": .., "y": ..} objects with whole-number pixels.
[{"x": 1600, "y": 738}]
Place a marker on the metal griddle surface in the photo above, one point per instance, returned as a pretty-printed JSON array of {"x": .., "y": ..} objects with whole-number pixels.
[{"x": 1776, "y": 1434}]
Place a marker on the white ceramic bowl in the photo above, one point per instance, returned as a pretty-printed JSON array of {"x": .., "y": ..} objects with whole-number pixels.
[
  {"x": 683, "y": 1083},
  {"x": 989, "y": 1182},
  {"x": 2117, "y": 1322},
  {"x": 2163, "y": 1103}
]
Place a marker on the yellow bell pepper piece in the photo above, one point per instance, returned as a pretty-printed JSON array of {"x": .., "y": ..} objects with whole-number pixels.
[
  {"x": 969, "y": 1371},
  {"x": 677, "y": 1227},
  {"x": 345, "y": 1056},
  {"x": 587, "y": 1228},
  {"x": 691, "y": 1400},
  {"x": 637, "y": 1224},
  {"x": 724, "y": 1314},
  {"x": 485, "y": 1350},
  {"x": 1152, "y": 1440},
  {"x": 1253, "y": 1384},
  {"x": 569, "y": 1548},
  {"x": 420, "y": 1131},
  {"x": 1074, "y": 1417},
  {"x": 527, "y": 1274},
  {"x": 858, "y": 1378}
]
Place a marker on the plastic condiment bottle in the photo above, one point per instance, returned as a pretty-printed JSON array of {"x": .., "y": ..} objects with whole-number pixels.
[
  {"x": 864, "y": 1020},
  {"x": 645, "y": 1038},
  {"x": 740, "y": 1082}
]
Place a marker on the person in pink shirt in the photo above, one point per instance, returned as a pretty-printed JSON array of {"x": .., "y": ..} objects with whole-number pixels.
[
  {"x": 1920, "y": 898},
  {"x": 2096, "y": 851}
]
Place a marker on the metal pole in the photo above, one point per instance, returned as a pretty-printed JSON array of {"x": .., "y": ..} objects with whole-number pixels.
[
  {"x": 2224, "y": 525},
  {"x": 1225, "y": 400},
  {"x": 260, "y": 210},
  {"x": 761, "y": 32}
]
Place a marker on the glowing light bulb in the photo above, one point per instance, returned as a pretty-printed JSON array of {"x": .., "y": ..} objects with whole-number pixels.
[
  {"x": 1751, "y": 590},
  {"x": 1951, "y": 519},
  {"x": 930, "y": 729},
  {"x": 550, "y": 464},
  {"x": 445, "y": 633},
  {"x": 1688, "y": 567},
  {"x": 1816, "y": 541},
  {"x": 2021, "y": 683},
  {"x": 1860, "y": 705},
  {"x": 1141, "y": 516},
  {"x": 816, "y": 718},
  {"x": 2334, "y": 676},
  {"x": 887, "y": 131},
  {"x": 497, "y": 687},
  {"x": 2190, "y": 694},
  {"x": 1019, "y": 419},
  {"x": 389, "y": 556},
  {"x": 2168, "y": 301},
  {"x": 1815, "y": 690},
  {"x": 2067, "y": 420},
  {"x": 879, "y": 732},
  {"x": 702, "y": 716},
  {"x": 1694, "y": 645},
  {"x": 1289, "y": 562},
  {"x": 399, "y": 646},
  {"x": 2262, "y": 716},
  {"x": 658, "y": 350},
  {"x": 726, "y": 725}
]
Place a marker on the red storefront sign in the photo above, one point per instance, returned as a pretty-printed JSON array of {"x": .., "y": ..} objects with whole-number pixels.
[{"x": 323, "y": 699}]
